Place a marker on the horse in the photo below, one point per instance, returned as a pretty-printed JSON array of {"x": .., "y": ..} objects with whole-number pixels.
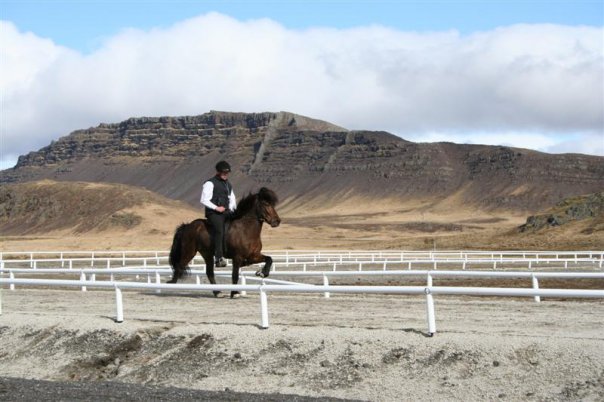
[{"x": 243, "y": 244}]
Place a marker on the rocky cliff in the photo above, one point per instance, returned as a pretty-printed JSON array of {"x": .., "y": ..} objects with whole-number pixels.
[{"x": 308, "y": 161}]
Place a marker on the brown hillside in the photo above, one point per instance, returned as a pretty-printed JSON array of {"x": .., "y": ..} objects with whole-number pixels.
[
  {"x": 90, "y": 216},
  {"x": 47, "y": 206},
  {"x": 313, "y": 165}
]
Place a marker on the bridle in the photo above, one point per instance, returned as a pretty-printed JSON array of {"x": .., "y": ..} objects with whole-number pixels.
[{"x": 259, "y": 215}]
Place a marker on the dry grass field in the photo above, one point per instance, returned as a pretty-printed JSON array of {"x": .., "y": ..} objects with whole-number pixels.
[{"x": 411, "y": 229}]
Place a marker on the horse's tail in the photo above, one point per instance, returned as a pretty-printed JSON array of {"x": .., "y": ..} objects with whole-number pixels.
[{"x": 179, "y": 269}]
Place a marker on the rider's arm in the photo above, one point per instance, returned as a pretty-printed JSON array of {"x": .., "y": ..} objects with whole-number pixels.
[{"x": 206, "y": 195}]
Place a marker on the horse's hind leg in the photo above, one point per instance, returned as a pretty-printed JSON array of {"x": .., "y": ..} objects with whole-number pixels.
[{"x": 210, "y": 272}]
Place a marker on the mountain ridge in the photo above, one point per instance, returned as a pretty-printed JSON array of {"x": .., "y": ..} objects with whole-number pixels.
[{"x": 308, "y": 161}]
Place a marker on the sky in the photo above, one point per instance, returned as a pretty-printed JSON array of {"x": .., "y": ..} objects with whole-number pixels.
[{"x": 528, "y": 74}]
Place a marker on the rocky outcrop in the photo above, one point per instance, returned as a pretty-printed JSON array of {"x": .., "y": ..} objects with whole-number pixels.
[{"x": 571, "y": 209}]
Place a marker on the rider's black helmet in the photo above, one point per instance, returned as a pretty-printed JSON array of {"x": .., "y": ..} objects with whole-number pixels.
[{"x": 223, "y": 166}]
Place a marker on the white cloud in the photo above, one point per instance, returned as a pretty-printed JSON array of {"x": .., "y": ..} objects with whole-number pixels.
[{"x": 539, "y": 82}]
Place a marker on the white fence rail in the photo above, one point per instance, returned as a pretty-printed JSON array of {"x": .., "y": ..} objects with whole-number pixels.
[
  {"x": 309, "y": 257},
  {"x": 323, "y": 264},
  {"x": 264, "y": 288},
  {"x": 463, "y": 260}
]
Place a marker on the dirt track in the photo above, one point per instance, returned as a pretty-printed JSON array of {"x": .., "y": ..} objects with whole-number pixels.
[{"x": 362, "y": 347}]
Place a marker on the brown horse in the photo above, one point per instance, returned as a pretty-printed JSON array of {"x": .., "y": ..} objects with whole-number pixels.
[{"x": 243, "y": 244}]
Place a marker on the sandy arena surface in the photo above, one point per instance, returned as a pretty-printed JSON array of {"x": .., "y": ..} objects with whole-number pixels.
[{"x": 349, "y": 346}]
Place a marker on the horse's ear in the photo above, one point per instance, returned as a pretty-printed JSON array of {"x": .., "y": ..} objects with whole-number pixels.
[{"x": 268, "y": 195}]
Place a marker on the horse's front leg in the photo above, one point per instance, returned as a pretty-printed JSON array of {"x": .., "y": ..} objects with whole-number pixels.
[
  {"x": 266, "y": 269},
  {"x": 235, "y": 278}
]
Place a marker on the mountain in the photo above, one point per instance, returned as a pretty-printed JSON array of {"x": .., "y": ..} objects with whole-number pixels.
[{"x": 311, "y": 164}]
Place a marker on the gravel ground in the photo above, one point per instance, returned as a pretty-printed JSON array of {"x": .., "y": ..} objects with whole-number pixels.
[
  {"x": 18, "y": 389},
  {"x": 349, "y": 346}
]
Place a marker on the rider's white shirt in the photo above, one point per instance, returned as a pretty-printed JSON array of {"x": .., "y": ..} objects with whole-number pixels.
[{"x": 206, "y": 196}]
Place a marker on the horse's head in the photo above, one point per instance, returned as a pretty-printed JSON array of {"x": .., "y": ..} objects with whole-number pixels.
[{"x": 266, "y": 212}]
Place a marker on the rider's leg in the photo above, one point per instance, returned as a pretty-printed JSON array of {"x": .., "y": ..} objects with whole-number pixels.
[{"x": 217, "y": 221}]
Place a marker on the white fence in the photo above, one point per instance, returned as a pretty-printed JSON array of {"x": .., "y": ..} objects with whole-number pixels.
[
  {"x": 320, "y": 264},
  {"x": 418, "y": 259},
  {"x": 264, "y": 288}
]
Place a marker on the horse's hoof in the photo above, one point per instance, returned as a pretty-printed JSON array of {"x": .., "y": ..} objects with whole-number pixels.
[
  {"x": 218, "y": 294},
  {"x": 260, "y": 274},
  {"x": 171, "y": 281},
  {"x": 235, "y": 296}
]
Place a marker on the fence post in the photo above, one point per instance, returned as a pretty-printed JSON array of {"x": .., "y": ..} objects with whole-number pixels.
[
  {"x": 243, "y": 282},
  {"x": 158, "y": 281},
  {"x": 119, "y": 317},
  {"x": 92, "y": 259},
  {"x": 11, "y": 275},
  {"x": 325, "y": 283},
  {"x": 83, "y": 279},
  {"x": 430, "y": 308},
  {"x": 263, "y": 309},
  {"x": 536, "y": 287}
]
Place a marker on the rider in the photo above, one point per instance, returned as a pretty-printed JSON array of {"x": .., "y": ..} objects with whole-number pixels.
[{"x": 219, "y": 200}]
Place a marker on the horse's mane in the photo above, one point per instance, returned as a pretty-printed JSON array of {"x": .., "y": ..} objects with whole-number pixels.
[{"x": 248, "y": 202}]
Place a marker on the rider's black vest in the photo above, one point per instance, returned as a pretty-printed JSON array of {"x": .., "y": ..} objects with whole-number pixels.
[{"x": 220, "y": 195}]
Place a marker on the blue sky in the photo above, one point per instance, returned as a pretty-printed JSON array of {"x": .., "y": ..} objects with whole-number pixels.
[
  {"x": 528, "y": 74},
  {"x": 84, "y": 24}
]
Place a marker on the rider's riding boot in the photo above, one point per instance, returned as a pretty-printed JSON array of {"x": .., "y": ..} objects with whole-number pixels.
[{"x": 221, "y": 262}]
